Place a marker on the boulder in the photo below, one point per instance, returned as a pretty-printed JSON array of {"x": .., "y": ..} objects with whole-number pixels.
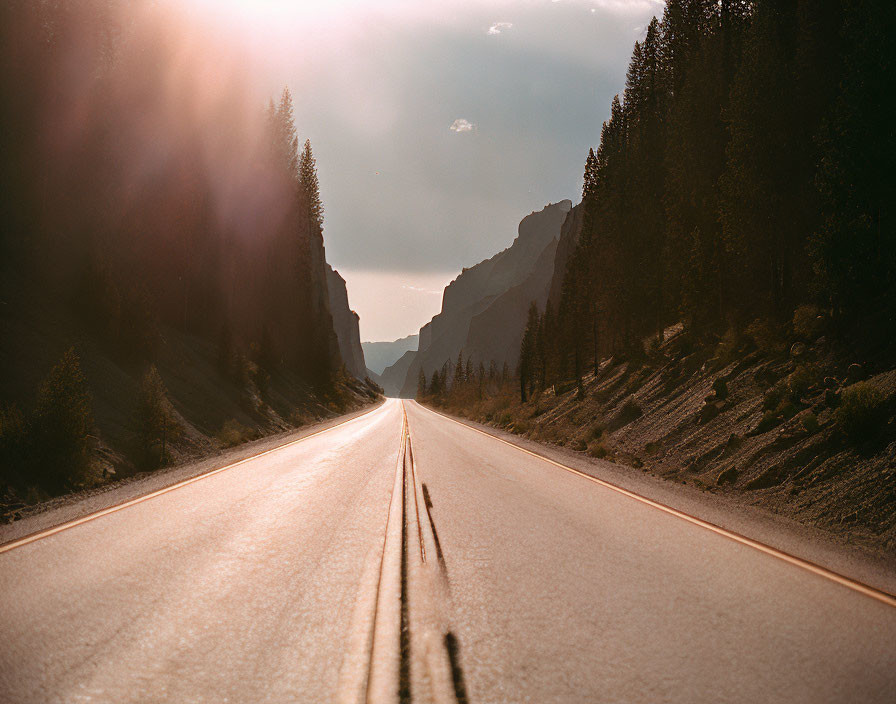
[{"x": 855, "y": 372}]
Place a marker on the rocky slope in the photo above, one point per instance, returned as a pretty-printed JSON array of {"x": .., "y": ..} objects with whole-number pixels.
[
  {"x": 509, "y": 281},
  {"x": 345, "y": 325},
  {"x": 380, "y": 355}
]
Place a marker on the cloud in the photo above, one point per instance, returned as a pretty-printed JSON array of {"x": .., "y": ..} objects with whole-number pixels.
[
  {"x": 499, "y": 27},
  {"x": 462, "y": 125}
]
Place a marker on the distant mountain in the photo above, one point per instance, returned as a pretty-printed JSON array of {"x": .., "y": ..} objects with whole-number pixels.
[
  {"x": 484, "y": 308},
  {"x": 345, "y": 324},
  {"x": 393, "y": 378},
  {"x": 380, "y": 355}
]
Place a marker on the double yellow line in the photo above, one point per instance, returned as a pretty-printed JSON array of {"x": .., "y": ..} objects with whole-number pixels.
[
  {"x": 857, "y": 586},
  {"x": 39, "y": 535}
]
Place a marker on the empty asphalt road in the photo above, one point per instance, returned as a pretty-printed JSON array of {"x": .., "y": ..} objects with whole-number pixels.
[{"x": 402, "y": 556}]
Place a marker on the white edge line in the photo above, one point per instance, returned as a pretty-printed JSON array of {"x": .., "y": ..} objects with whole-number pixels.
[
  {"x": 19, "y": 542},
  {"x": 853, "y": 584}
]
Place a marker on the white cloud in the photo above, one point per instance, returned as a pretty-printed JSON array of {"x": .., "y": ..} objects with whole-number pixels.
[
  {"x": 499, "y": 27},
  {"x": 462, "y": 125}
]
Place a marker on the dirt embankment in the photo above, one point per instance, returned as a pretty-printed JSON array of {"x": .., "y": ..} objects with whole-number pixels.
[{"x": 803, "y": 430}]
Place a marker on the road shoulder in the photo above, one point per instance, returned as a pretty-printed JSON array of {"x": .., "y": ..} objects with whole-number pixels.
[{"x": 808, "y": 543}]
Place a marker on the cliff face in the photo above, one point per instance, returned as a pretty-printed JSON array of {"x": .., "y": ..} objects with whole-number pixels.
[
  {"x": 379, "y": 355},
  {"x": 393, "y": 378},
  {"x": 509, "y": 281},
  {"x": 569, "y": 238},
  {"x": 496, "y": 333},
  {"x": 345, "y": 325}
]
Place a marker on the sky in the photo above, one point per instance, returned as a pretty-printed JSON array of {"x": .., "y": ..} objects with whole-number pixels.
[{"x": 437, "y": 126}]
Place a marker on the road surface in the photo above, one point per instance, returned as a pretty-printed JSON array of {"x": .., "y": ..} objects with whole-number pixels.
[{"x": 402, "y": 556}]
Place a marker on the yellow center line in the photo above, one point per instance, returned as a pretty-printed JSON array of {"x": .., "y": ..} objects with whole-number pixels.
[
  {"x": 857, "y": 586},
  {"x": 178, "y": 485}
]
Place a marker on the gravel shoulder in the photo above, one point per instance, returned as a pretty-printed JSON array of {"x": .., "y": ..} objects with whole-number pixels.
[
  {"x": 832, "y": 551},
  {"x": 63, "y": 509}
]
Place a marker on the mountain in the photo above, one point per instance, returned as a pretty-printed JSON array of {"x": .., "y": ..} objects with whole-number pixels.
[
  {"x": 569, "y": 238},
  {"x": 345, "y": 324},
  {"x": 380, "y": 355},
  {"x": 393, "y": 378},
  {"x": 484, "y": 308}
]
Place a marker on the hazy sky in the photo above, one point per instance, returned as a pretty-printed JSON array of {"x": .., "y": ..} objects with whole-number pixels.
[{"x": 437, "y": 125}]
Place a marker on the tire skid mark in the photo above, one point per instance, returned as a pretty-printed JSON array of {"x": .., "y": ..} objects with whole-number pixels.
[
  {"x": 370, "y": 671},
  {"x": 439, "y": 673},
  {"x": 401, "y": 648}
]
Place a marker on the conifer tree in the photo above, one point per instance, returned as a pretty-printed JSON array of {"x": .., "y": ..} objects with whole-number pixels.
[
  {"x": 61, "y": 425},
  {"x": 421, "y": 384},
  {"x": 458, "y": 380},
  {"x": 311, "y": 187}
]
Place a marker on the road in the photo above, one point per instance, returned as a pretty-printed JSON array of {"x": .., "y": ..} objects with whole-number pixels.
[{"x": 402, "y": 556}]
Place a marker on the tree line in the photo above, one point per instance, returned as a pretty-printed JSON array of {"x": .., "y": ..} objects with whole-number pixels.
[{"x": 745, "y": 171}]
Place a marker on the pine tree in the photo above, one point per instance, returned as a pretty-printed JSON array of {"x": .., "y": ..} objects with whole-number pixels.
[
  {"x": 421, "y": 384},
  {"x": 155, "y": 420},
  {"x": 61, "y": 425},
  {"x": 311, "y": 187},
  {"x": 458, "y": 380},
  {"x": 528, "y": 360}
]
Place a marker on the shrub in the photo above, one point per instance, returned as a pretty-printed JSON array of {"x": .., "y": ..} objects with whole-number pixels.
[
  {"x": 765, "y": 337},
  {"x": 805, "y": 322},
  {"x": 597, "y": 449},
  {"x": 59, "y": 432},
  {"x": 810, "y": 423},
  {"x": 630, "y": 411},
  {"x": 800, "y": 381},
  {"x": 720, "y": 388},
  {"x": 234, "y": 433},
  {"x": 773, "y": 398},
  {"x": 729, "y": 346},
  {"x": 861, "y": 411},
  {"x": 770, "y": 420}
]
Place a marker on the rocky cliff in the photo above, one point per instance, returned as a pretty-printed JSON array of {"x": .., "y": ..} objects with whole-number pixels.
[
  {"x": 569, "y": 238},
  {"x": 509, "y": 281},
  {"x": 345, "y": 324},
  {"x": 393, "y": 378}
]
